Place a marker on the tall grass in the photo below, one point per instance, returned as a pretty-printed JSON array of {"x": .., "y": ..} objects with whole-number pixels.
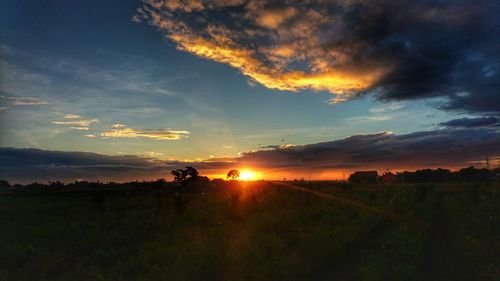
[{"x": 252, "y": 231}]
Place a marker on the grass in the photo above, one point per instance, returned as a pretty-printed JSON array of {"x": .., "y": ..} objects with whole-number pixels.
[{"x": 253, "y": 231}]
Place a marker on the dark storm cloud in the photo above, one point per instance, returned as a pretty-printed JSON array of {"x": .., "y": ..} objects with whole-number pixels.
[
  {"x": 393, "y": 49},
  {"x": 440, "y": 49},
  {"x": 471, "y": 122},
  {"x": 439, "y": 148},
  {"x": 385, "y": 150}
]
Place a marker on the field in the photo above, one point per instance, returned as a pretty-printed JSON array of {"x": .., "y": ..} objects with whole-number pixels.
[{"x": 254, "y": 231}]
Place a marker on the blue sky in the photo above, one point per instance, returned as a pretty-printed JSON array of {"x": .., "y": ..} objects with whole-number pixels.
[
  {"x": 75, "y": 72},
  {"x": 90, "y": 59}
]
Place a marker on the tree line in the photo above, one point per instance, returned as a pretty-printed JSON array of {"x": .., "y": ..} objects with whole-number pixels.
[
  {"x": 189, "y": 177},
  {"x": 469, "y": 174}
]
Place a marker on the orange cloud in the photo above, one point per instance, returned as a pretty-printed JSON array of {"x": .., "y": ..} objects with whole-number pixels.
[
  {"x": 76, "y": 122},
  {"x": 265, "y": 45},
  {"x": 122, "y": 131},
  {"x": 222, "y": 49},
  {"x": 273, "y": 19}
]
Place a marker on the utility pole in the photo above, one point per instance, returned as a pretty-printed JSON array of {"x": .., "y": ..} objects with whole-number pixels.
[{"x": 487, "y": 162}]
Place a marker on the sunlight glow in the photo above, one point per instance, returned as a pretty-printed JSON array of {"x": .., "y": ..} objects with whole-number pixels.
[{"x": 247, "y": 175}]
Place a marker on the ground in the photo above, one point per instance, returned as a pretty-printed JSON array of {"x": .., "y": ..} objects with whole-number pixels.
[{"x": 254, "y": 231}]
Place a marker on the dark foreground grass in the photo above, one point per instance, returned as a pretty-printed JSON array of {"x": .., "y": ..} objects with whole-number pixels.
[{"x": 252, "y": 231}]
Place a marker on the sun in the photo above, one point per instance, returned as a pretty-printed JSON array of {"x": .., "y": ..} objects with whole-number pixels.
[{"x": 247, "y": 175}]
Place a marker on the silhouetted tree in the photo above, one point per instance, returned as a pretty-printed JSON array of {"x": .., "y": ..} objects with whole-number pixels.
[
  {"x": 427, "y": 175},
  {"x": 192, "y": 172},
  {"x": 473, "y": 174},
  {"x": 233, "y": 174},
  {"x": 180, "y": 175},
  {"x": 185, "y": 176},
  {"x": 55, "y": 185},
  {"x": 4, "y": 184}
]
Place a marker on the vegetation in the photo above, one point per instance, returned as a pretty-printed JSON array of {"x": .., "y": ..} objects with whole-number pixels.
[
  {"x": 251, "y": 231},
  {"x": 233, "y": 175},
  {"x": 183, "y": 176},
  {"x": 469, "y": 174}
]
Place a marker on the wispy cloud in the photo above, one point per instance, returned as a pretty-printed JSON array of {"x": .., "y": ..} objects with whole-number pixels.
[
  {"x": 154, "y": 154},
  {"x": 372, "y": 118},
  {"x": 76, "y": 122},
  {"x": 383, "y": 112},
  {"x": 72, "y": 116},
  {"x": 123, "y": 131},
  {"x": 390, "y": 107},
  {"x": 471, "y": 122},
  {"x": 24, "y": 100},
  {"x": 70, "y": 83}
]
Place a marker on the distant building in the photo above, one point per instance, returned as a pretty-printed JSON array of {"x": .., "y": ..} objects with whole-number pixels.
[
  {"x": 364, "y": 177},
  {"x": 389, "y": 178}
]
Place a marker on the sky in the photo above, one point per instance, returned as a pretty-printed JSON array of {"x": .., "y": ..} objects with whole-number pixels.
[{"x": 128, "y": 89}]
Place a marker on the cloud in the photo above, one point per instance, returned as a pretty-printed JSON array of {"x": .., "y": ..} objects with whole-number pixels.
[
  {"x": 291, "y": 39},
  {"x": 385, "y": 112},
  {"x": 471, "y": 122},
  {"x": 28, "y": 165},
  {"x": 154, "y": 154},
  {"x": 122, "y": 131},
  {"x": 449, "y": 148},
  {"x": 445, "y": 148},
  {"x": 395, "y": 50},
  {"x": 372, "y": 118},
  {"x": 58, "y": 78},
  {"x": 25, "y": 100},
  {"x": 76, "y": 122},
  {"x": 394, "y": 106},
  {"x": 25, "y": 165},
  {"x": 72, "y": 116}
]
